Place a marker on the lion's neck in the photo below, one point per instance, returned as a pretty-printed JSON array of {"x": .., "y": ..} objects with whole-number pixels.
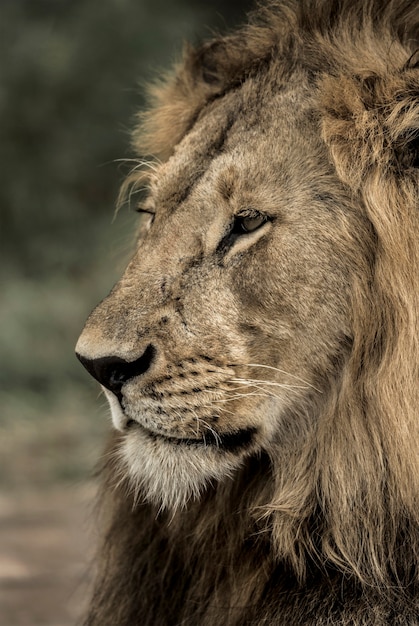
[{"x": 214, "y": 563}]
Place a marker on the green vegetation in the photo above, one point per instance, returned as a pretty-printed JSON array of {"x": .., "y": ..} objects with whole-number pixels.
[{"x": 71, "y": 75}]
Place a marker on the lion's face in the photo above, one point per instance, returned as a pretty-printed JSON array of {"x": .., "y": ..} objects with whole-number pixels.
[{"x": 235, "y": 311}]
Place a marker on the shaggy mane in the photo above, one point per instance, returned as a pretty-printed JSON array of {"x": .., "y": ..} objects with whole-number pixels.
[
  {"x": 325, "y": 37},
  {"x": 347, "y": 504}
]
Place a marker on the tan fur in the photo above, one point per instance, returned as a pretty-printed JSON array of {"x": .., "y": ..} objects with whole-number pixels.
[{"x": 272, "y": 473}]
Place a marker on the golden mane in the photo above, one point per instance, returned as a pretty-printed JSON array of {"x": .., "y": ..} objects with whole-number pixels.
[{"x": 348, "y": 501}]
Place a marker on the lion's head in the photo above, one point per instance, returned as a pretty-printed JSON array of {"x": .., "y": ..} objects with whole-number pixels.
[
  {"x": 235, "y": 313},
  {"x": 271, "y": 306}
]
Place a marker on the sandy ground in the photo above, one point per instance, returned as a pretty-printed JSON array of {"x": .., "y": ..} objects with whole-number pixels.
[{"x": 45, "y": 551}]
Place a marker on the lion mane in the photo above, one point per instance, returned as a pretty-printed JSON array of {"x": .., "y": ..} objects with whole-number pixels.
[{"x": 329, "y": 532}]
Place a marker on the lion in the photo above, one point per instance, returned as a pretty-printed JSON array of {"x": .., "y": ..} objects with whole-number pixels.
[{"x": 260, "y": 353}]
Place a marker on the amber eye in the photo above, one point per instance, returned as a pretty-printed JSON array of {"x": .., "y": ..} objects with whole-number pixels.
[{"x": 248, "y": 221}]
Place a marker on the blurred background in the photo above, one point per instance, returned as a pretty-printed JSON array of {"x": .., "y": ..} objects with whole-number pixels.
[{"x": 72, "y": 75}]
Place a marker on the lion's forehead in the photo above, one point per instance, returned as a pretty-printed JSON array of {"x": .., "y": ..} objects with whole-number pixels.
[{"x": 224, "y": 154}]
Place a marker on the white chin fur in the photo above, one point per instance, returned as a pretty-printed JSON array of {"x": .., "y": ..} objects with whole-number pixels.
[
  {"x": 165, "y": 473},
  {"x": 118, "y": 418},
  {"x": 169, "y": 474}
]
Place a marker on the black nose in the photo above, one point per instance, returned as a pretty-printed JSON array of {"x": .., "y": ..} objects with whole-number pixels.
[{"x": 112, "y": 371}]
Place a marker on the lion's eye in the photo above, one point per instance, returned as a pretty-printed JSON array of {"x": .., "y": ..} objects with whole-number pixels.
[
  {"x": 248, "y": 222},
  {"x": 146, "y": 214}
]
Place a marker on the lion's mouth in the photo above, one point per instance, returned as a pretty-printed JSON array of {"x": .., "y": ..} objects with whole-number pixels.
[{"x": 231, "y": 441}]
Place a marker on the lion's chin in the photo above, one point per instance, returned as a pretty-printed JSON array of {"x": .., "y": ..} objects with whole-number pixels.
[
  {"x": 170, "y": 472},
  {"x": 233, "y": 441}
]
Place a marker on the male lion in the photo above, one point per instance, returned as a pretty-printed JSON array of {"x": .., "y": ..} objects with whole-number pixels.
[{"x": 260, "y": 352}]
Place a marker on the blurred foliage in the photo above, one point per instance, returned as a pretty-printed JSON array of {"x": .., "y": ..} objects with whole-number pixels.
[{"x": 71, "y": 76}]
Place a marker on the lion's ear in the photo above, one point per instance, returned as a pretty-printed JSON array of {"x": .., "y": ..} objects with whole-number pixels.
[
  {"x": 176, "y": 101},
  {"x": 203, "y": 74},
  {"x": 210, "y": 64},
  {"x": 223, "y": 63},
  {"x": 371, "y": 123}
]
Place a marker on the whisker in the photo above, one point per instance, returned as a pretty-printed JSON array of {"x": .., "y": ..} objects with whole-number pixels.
[
  {"x": 210, "y": 406},
  {"x": 152, "y": 164},
  {"x": 257, "y": 381},
  {"x": 240, "y": 395},
  {"x": 266, "y": 392},
  {"x": 239, "y": 388},
  {"x": 276, "y": 369},
  {"x": 216, "y": 435}
]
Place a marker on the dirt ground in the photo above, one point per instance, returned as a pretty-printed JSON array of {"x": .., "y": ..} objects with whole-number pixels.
[{"x": 45, "y": 551}]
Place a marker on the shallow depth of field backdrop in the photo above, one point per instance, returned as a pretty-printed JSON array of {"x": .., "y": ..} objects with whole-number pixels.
[{"x": 71, "y": 79}]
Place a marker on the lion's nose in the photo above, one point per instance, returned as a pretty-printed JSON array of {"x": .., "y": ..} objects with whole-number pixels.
[{"x": 112, "y": 372}]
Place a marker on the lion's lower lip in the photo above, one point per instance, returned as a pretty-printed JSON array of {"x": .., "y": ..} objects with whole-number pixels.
[{"x": 225, "y": 441}]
